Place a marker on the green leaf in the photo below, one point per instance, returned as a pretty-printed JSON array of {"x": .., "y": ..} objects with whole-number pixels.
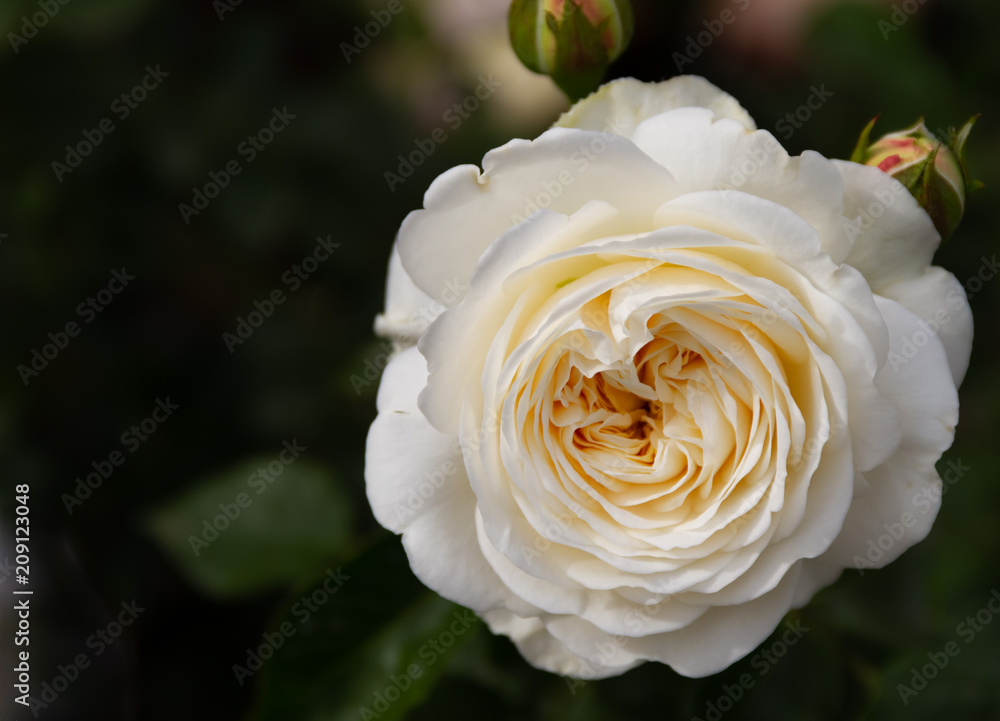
[
  {"x": 379, "y": 644},
  {"x": 949, "y": 678},
  {"x": 237, "y": 534}
]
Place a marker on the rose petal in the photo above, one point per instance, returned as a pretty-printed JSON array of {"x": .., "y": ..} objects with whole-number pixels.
[
  {"x": 903, "y": 494},
  {"x": 619, "y": 106},
  {"x": 408, "y": 310},
  {"x": 894, "y": 239},
  {"x": 417, "y": 486},
  {"x": 467, "y": 210},
  {"x": 938, "y": 298}
]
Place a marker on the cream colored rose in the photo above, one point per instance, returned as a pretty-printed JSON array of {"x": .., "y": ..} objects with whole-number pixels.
[{"x": 656, "y": 385}]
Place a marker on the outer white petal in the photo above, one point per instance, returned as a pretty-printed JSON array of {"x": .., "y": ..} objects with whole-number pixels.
[
  {"x": 402, "y": 379},
  {"x": 417, "y": 486},
  {"x": 705, "y": 153},
  {"x": 894, "y": 239},
  {"x": 938, "y": 298},
  {"x": 408, "y": 310},
  {"x": 544, "y": 651},
  {"x": 467, "y": 210},
  {"x": 608, "y": 611},
  {"x": 619, "y": 106},
  {"x": 817, "y": 573},
  {"x": 721, "y": 636},
  {"x": 904, "y": 493}
]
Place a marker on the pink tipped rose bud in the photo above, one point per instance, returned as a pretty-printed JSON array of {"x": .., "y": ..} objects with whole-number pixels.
[
  {"x": 934, "y": 172},
  {"x": 573, "y": 41}
]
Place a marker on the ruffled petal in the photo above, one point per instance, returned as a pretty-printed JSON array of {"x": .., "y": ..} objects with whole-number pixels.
[
  {"x": 408, "y": 310},
  {"x": 940, "y": 300},
  {"x": 619, "y": 106},
  {"x": 417, "y": 486},
  {"x": 467, "y": 210},
  {"x": 897, "y": 506},
  {"x": 893, "y": 238}
]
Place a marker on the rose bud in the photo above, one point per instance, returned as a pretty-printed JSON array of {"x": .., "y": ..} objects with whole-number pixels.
[
  {"x": 573, "y": 41},
  {"x": 935, "y": 173}
]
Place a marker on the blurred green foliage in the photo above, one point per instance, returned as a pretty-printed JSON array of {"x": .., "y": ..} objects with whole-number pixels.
[
  {"x": 247, "y": 531},
  {"x": 305, "y": 373}
]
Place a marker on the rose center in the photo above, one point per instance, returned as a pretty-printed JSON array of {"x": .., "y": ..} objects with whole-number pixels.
[{"x": 635, "y": 423}]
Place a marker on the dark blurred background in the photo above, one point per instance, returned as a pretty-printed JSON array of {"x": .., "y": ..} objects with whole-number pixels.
[{"x": 171, "y": 579}]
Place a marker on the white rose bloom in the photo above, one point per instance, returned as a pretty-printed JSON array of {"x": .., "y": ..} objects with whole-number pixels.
[{"x": 668, "y": 381}]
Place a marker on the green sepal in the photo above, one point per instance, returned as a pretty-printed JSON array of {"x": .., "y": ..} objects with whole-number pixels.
[
  {"x": 860, "y": 153},
  {"x": 958, "y": 147},
  {"x": 581, "y": 58}
]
